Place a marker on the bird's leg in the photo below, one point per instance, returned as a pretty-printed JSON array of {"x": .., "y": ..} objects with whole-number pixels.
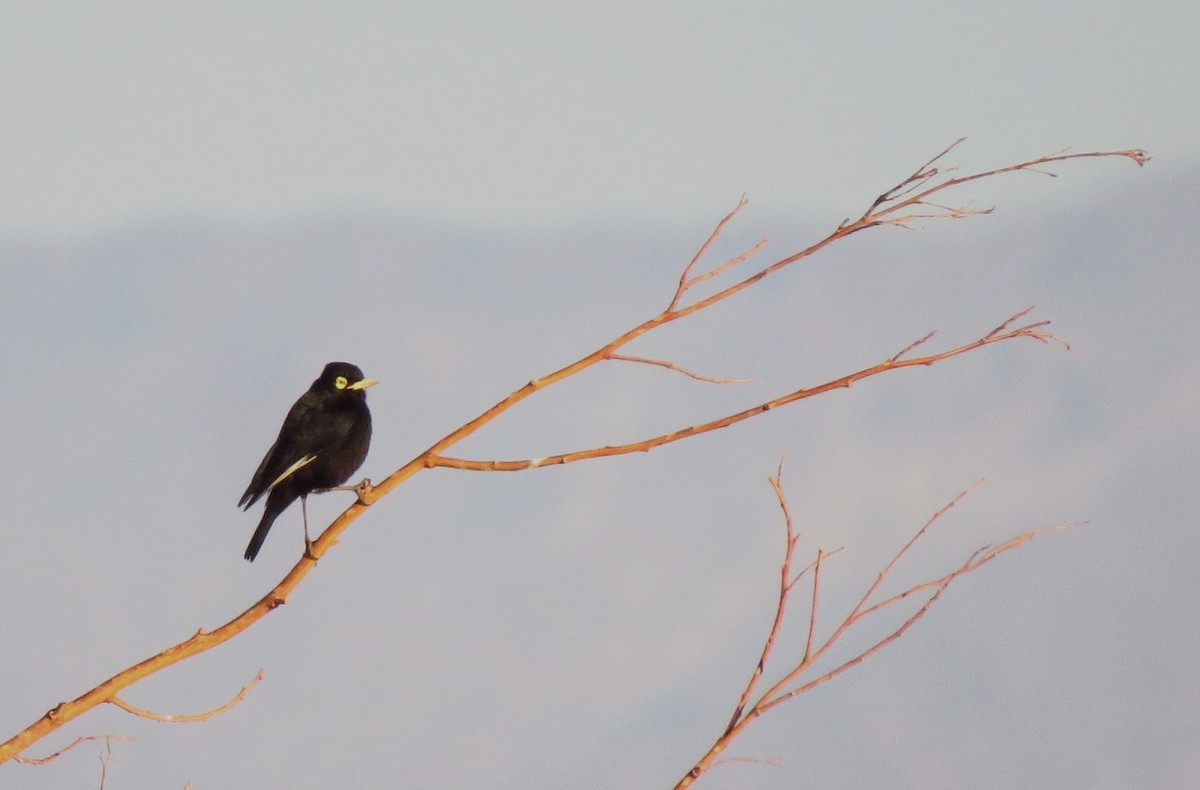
[
  {"x": 308, "y": 545},
  {"x": 361, "y": 488}
]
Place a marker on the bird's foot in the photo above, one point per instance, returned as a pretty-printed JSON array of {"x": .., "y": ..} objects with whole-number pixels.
[
  {"x": 362, "y": 489},
  {"x": 308, "y": 549}
]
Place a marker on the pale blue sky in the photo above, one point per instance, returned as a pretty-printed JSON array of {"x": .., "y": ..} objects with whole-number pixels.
[
  {"x": 527, "y": 113},
  {"x": 200, "y": 207}
]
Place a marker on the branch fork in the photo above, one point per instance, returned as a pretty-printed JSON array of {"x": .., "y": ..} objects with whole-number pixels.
[{"x": 789, "y": 684}]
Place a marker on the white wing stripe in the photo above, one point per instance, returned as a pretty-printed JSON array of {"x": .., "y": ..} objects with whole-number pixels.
[{"x": 291, "y": 470}]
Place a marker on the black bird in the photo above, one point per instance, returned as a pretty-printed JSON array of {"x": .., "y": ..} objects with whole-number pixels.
[{"x": 323, "y": 441}]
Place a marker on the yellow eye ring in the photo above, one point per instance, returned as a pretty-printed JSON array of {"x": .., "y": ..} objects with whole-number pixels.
[{"x": 340, "y": 382}]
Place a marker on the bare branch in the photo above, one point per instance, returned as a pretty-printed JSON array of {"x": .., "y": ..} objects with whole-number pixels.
[
  {"x": 858, "y": 659},
  {"x": 69, "y": 747},
  {"x": 1010, "y": 321},
  {"x": 912, "y": 542},
  {"x": 944, "y": 212},
  {"x": 645, "y": 445},
  {"x": 149, "y": 714},
  {"x": 939, "y": 586},
  {"x": 918, "y": 342},
  {"x": 889, "y": 208},
  {"x": 785, "y": 585},
  {"x": 751, "y": 760},
  {"x": 436, "y": 454},
  {"x": 977, "y": 560},
  {"x": 683, "y": 370},
  {"x": 910, "y": 184},
  {"x": 786, "y": 688},
  {"x": 684, "y": 279},
  {"x": 878, "y": 212},
  {"x": 778, "y": 692},
  {"x": 727, "y": 265},
  {"x": 811, "y": 565},
  {"x": 105, "y": 761},
  {"x": 814, "y": 607}
]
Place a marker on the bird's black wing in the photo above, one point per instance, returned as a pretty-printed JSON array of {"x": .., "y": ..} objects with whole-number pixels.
[{"x": 305, "y": 433}]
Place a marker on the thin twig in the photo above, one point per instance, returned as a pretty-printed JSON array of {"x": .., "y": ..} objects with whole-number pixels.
[
  {"x": 786, "y": 688},
  {"x": 105, "y": 761},
  {"x": 1010, "y": 321},
  {"x": 879, "y": 579},
  {"x": 712, "y": 237},
  {"x": 1136, "y": 155},
  {"x": 812, "y": 565},
  {"x": 785, "y": 586},
  {"x": 729, "y": 264},
  {"x": 918, "y": 342},
  {"x": 645, "y": 445},
  {"x": 672, "y": 366},
  {"x": 814, "y": 607},
  {"x": 751, "y": 760},
  {"x": 193, "y": 717},
  {"x": 977, "y": 560},
  {"x": 906, "y": 220},
  {"x": 918, "y": 177},
  {"x": 69, "y": 747},
  {"x": 786, "y": 695}
]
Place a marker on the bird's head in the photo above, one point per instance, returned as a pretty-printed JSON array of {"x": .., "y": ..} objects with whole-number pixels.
[{"x": 342, "y": 377}]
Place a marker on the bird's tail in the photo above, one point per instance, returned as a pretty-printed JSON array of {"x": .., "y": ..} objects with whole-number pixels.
[{"x": 270, "y": 513}]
